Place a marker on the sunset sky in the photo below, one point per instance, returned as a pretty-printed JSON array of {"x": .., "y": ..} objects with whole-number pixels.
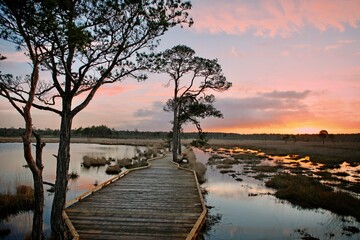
[{"x": 294, "y": 65}]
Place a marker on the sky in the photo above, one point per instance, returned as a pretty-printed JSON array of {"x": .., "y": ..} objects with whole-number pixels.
[{"x": 294, "y": 66}]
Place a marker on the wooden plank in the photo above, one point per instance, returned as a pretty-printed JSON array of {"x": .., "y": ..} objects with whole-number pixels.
[{"x": 159, "y": 202}]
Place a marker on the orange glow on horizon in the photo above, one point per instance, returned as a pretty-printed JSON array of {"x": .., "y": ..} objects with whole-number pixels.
[{"x": 296, "y": 129}]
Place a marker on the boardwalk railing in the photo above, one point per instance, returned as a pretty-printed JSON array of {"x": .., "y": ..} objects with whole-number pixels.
[{"x": 191, "y": 236}]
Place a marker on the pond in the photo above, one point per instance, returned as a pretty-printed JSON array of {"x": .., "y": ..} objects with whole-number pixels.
[
  {"x": 13, "y": 172},
  {"x": 239, "y": 209},
  {"x": 246, "y": 209}
]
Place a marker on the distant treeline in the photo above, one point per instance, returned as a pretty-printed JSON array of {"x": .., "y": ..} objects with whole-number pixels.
[{"x": 105, "y": 132}]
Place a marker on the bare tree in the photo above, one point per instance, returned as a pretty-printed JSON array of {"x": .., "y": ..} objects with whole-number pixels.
[
  {"x": 192, "y": 77},
  {"x": 9, "y": 87},
  {"x": 87, "y": 44}
]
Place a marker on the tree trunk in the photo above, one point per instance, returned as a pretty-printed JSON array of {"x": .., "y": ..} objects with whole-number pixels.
[
  {"x": 38, "y": 218},
  {"x": 37, "y": 229},
  {"x": 175, "y": 134},
  {"x": 61, "y": 182},
  {"x": 179, "y": 141}
]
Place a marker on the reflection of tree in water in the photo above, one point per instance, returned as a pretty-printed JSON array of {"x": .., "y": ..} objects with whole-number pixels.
[{"x": 211, "y": 220}]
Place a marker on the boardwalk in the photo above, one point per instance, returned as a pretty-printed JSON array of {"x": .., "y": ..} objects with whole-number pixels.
[{"x": 160, "y": 202}]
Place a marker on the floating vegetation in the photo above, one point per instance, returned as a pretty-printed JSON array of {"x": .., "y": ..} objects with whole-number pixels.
[
  {"x": 73, "y": 175},
  {"x": 223, "y": 166},
  {"x": 224, "y": 171}
]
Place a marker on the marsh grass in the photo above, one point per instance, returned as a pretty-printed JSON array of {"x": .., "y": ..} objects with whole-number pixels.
[
  {"x": 224, "y": 171},
  {"x": 136, "y": 164},
  {"x": 269, "y": 169},
  {"x": 354, "y": 187},
  {"x": 223, "y": 166},
  {"x": 94, "y": 162},
  {"x": 23, "y": 200},
  {"x": 308, "y": 192},
  {"x": 115, "y": 169},
  {"x": 331, "y": 153}
]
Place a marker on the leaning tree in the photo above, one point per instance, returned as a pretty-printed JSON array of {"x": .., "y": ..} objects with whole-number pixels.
[
  {"x": 87, "y": 44},
  {"x": 192, "y": 77}
]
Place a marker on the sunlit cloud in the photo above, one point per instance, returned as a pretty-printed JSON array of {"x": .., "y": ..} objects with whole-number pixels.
[
  {"x": 275, "y": 17},
  {"x": 262, "y": 110},
  {"x": 112, "y": 90},
  {"x": 338, "y": 44}
]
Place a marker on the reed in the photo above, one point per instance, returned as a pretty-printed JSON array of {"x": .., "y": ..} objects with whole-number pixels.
[{"x": 23, "y": 200}]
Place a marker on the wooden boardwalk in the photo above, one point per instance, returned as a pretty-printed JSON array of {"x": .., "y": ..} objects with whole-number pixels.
[{"x": 159, "y": 202}]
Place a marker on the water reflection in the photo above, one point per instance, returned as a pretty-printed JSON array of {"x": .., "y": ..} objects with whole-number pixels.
[
  {"x": 248, "y": 212},
  {"x": 12, "y": 173}
]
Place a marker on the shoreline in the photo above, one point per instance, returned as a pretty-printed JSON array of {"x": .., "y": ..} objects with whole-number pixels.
[{"x": 105, "y": 141}]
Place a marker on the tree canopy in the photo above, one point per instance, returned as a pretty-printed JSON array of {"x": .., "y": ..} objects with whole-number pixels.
[{"x": 192, "y": 77}]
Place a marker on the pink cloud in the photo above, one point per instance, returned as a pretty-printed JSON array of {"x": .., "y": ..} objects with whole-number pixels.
[
  {"x": 16, "y": 57},
  {"x": 275, "y": 17},
  {"x": 112, "y": 90}
]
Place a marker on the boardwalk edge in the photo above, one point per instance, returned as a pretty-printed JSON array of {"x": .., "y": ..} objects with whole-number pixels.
[{"x": 201, "y": 220}]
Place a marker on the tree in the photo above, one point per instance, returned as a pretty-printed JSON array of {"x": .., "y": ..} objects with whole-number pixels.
[
  {"x": 8, "y": 87},
  {"x": 192, "y": 77},
  {"x": 87, "y": 44},
  {"x": 323, "y": 134},
  {"x": 191, "y": 109}
]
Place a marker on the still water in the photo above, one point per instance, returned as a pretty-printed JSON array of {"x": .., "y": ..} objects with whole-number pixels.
[
  {"x": 239, "y": 209},
  {"x": 247, "y": 210},
  {"x": 13, "y": 173}
]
